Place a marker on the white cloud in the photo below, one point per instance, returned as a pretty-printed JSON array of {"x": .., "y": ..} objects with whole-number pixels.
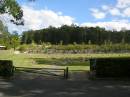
[
  {"x": 105, "y": 7},
  {"x": 123, "y": 3},
  {"x": 112, "y": 25},
  {"x": 11, "y": 27},
  {"x": 98, "y": 14},
  {"x": 127, "y": 12},
  {"x": 121, "y": 9},
  {"x": 38, "y": 19},
  {"x": 115, "y": 12},
  {"x": 111, "y": 10}
]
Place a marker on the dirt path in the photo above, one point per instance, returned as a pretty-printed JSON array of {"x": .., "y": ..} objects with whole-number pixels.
[
  {"x": 78, "y": 75},
  {"x": 40, "y": 86}
]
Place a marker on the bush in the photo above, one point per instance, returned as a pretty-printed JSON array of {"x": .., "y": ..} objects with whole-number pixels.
[
  {"x": 6, "y": 68},
  {"x": 111, "y": 67},
  {"x": 23, "y": 48}
]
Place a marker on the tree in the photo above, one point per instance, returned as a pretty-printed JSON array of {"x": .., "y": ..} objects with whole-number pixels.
[
  {"x": 12, "y": 7},
  {"x": 4, "y": 35},
  {"x": 15, "y": 41},
  {"x": 3, "y": 29}
]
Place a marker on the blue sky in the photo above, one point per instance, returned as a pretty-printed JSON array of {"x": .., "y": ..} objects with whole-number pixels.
[
  {"x": 109, "y": 14},
  {"x": 79, "y": 9}
]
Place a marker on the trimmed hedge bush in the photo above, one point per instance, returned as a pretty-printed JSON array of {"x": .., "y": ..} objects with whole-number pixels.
[
  {"x": 111, "y": 67},
  {"x": 6, "y": 68}
]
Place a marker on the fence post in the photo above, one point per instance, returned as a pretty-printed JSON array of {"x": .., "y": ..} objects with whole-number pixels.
[{"x": 66, "y": 73}]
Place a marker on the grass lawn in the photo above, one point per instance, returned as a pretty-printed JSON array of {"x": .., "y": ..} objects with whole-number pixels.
[{"x": 73, "y": 61}]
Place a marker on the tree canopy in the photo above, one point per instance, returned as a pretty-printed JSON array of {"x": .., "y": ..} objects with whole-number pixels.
[
  {"x": 75, "y": 34},
  {"x": 12, "y": 7}
]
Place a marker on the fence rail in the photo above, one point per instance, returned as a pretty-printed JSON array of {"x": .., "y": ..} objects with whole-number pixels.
[{"x": 45, "y": 71}]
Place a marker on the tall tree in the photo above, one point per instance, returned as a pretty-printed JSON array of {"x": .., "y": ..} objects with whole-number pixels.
[
  {"x": 12, "y": 7},
  {"x": 15, "y": 41},
  {"x": 4, "y": 35}
]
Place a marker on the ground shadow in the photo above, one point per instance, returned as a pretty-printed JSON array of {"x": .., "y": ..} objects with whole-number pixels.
[{"x": 41, "y": 87}]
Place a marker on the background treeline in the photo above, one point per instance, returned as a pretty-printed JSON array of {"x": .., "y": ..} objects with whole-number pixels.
[{"x": 75, "y": 34}]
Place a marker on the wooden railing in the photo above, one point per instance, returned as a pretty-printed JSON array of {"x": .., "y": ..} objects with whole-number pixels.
[{"x": 47, "y": 71}]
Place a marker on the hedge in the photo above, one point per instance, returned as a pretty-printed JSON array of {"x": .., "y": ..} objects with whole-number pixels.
[
  {"x": 111, "y": 67},
  {"x": 6, "y": 68}
]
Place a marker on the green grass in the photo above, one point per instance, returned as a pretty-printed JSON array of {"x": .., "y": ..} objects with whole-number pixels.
[{"x": 73, "y": 61}]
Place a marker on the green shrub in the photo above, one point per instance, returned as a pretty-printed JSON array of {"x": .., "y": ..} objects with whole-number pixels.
[
  {"x": 23, "y": 48},
  {"x": 111, "y": 67},
  {"x": 6, "y": 68}
]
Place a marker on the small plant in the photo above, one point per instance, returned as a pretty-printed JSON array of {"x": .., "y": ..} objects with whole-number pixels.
[{"x": 23, "y": 48}]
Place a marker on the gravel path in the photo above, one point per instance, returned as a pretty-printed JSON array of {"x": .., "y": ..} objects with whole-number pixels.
[
  {"x": 78, "y": 75},
  {"x": 39, "y": 86}
]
